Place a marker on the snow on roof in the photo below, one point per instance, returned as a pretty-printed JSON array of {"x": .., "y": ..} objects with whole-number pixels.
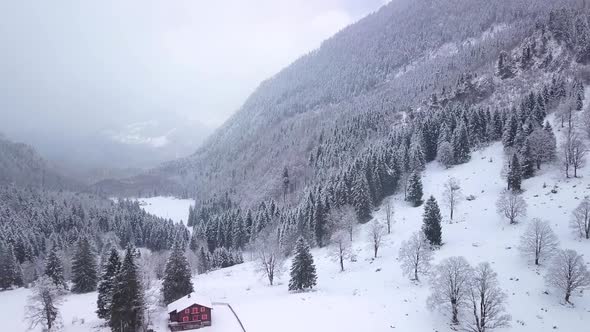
[{"x": 187, "y": 301}]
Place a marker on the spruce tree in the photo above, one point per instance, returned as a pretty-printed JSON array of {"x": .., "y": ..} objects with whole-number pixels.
[
  {"x": 510, "y": 130},
  {"x": 528, "y": 161},
  {"x": 361, "y": 199},
  {"x": 461, "y": 145},
  {"x": 514, "y": 174},
  {"x": 127, "y": 304},
  {"x": 414, "y": 195},
  {"x": 106, "y": 285},
  {"x": 10, "y": 271},
  {"x": 432, "y": 219},
  {"x": 54, "y": 269},
  {"x": 84, "y": 273},
  {"x": 303, "y": 273},
  {"x": 177, "y": 276},
  {"x": 203, "y": 263}
]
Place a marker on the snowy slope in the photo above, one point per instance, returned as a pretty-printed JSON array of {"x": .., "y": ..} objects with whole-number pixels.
[
  {"x": 167, "y": 207},
  {"x": 372, "y": 295}
]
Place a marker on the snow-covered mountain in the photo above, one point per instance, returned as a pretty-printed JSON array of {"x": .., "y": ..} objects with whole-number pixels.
[
  {"x": 389, "y": 62},
  {"x": 372, "y": 294}
]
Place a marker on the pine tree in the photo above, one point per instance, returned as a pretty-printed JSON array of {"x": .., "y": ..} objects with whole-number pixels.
[
  {"x": 414, "y": 195},
  {"x": 303, "y": 273},
  {"x": 10, "y": 271},
  {"x": 203, "y": 263},
  {"x": 54, "y": 269},
  {"x": 106, "y": 286},
  {"x": 510, "y": 130},
  {"x": 84, "y": 273},
  {"x": 177, "y": 276},
  {"x": 361, "y": 199},
  {"x": 127, "y": 305},
  {"x": 528, "y": 161},
  {"x": 514, "y": 174},
  {"x": 432, "y": 219},
  {"x": 461, "y": 145}
]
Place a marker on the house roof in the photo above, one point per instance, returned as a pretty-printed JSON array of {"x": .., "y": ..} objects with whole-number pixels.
[{"x": 187, "y": 301}]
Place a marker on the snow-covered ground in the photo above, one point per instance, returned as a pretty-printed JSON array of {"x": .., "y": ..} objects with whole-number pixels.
[
  {"x": 372, "y": 294},
  {"x": 167, "y": 207}
]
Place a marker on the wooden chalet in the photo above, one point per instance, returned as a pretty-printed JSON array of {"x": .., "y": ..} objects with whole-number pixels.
[{"x": 189, "y": 312}]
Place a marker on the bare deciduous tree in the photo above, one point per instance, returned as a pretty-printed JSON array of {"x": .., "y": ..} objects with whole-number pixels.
[
  {"x": 581, "y": 219},
  {"x": 340, "y": 247},
  {"x": 486, "y": 301},
  {"x": 268, "y": 253},
  {"x": 389, "y": 213},
  {"x": 452, "y": 195},
  {"x": 41, "y": 308},
  {"x": 415, "y": 255},
  {"x": 376, "y": 232},
  {"x": 511, "y": 206},
  {"x": 450, "y": 286},
  {"x": 343, "y": 218},
  {"x": 538, "y": 240},
  {"x": 568, "y": 273},
  {"x": 573, "y": 151}
]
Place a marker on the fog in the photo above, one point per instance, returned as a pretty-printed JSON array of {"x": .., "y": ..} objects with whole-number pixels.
[{"x": 92, "y": 75}]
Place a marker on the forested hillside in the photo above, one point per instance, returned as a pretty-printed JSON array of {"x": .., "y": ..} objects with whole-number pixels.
[{"x": 21, "y": 165}]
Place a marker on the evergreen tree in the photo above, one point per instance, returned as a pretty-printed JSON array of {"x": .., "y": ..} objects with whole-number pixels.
[
  {"x": 361, "y": 199},
  {"x": 432, "y": 220},
  {"x": 84, "y": 274},
  {"x": 514, "y": 174},
  {"x": 203, "y": 262},
  {"x": 10, "y": 271},
  {"x": 303, "y": 273},
  {"x": 415, "y": 193},
  {"x": 510, "y": 130},
  {"x": 461, "y": 145},
  {"x": 106, "y": 286},
  {"x": 127, "y": 305},
  {"x": 54, "y": 269},
  {"x": 528, "y": 161},
  {"x": 177, "y": 276}
]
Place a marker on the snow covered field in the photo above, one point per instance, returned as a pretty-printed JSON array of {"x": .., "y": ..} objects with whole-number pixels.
[
  {"x": 372, "y": 294},
  {"x": 167, "y": 207}
]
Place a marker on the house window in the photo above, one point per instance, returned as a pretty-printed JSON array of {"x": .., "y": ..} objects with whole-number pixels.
[
  {"x": 185, "y": 319},
  {"x": 204, "y": 316},
  {"x": 187, "y": 311},
  {"x": 202, "y": 309},
  {"x": 195, "y": 310},
  {"x": 195, "y": 318}
]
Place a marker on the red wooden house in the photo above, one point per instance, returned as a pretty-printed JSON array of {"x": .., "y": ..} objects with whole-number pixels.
[{"x": 189, "y": 312}]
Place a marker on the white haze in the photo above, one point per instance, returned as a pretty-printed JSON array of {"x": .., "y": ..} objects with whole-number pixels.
[{"x": 76, "y": 72}]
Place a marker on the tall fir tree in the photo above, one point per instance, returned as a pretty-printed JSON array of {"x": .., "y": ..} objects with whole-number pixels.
[
  {"x": 303, "y": 273},
  {"x": 84, "y": 272},
  {"x": 203, "y": 262},
  {"x": 177, "y": 276},
  {"x": 510, "y": 130},
  {"x": 127, "y": 306},
  {"x": 414, "y": 195},
  {"x": 432, "y": 222},
  {"x": 361, "y": 198},
  {"x": 10, "y": 270},
  {"x": 528, "y": 161},
  {"x": 106, "y": 285},
  {"x": 514, "y": 174},
  {"x": 54, "y": 269},
  {"x": 461, "y": 145}
]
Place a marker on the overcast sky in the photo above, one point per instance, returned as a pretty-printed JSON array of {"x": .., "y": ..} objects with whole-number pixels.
[{"x": 84, "y": 66}]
